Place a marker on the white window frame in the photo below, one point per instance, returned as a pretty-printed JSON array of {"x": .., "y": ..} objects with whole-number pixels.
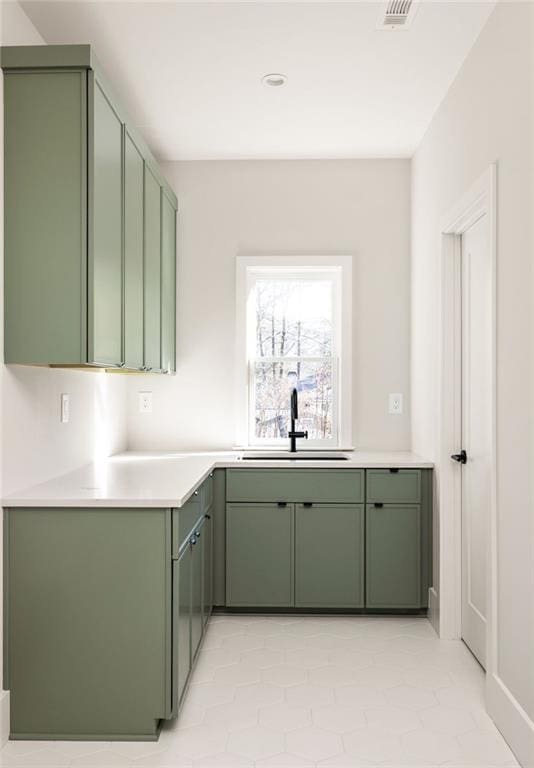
[{"x": 248, "y": 267}]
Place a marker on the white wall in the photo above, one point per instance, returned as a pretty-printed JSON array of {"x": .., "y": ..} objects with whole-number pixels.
[
  {"x": 488, "y": 116},
  {"x": 283, "y": 207},
  {"x": 34, "y": 444}
]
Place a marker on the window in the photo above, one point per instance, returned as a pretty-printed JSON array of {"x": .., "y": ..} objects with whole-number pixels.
[{"x": 293, "y": 337}]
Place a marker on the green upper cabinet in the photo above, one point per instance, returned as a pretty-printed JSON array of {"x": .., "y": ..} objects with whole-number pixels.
[
  {"x": 45, "y": 182},
  {"x": 105, "y": 230},
  {"x": 90, "y": 241},
  {"x": 168, "y": 285},
  {"x": 152, "y": 272},
  {"x": 133, "y": 254}
]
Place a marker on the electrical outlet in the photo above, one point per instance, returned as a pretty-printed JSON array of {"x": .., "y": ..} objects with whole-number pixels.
[
  {"x": 65, "y": 408},
  {"x": 145, "y": 402},
  {"x": 396, "y": 404}
]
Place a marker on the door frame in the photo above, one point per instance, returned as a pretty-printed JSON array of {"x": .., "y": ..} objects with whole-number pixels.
[{"x": 479, "y": 200}]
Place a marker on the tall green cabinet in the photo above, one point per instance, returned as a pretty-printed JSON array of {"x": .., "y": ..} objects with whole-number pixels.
[{"x": 90, "y": 222}]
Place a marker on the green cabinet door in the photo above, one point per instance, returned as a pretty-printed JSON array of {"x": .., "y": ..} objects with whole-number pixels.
[
  {"x": 207, "y": 600},
  {"x": 88, "y": 595},
  {"x": 197, "y": 565},
  {"x": 152, "y": 287},
  {"x": 45, "y": 189},
  {"x": 259, "y": 555},
  {"x": 393, "y": 556},
  {"x": 168, "y": 285},
  {"x": 329, "y": 556},
  {"x": 182, "y": 624},
  {"x": 133, "y": 254},
  {"x": 105, "y": 231}
]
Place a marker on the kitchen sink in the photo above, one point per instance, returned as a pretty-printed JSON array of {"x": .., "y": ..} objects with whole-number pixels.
[{"x": 299, "y": 455}]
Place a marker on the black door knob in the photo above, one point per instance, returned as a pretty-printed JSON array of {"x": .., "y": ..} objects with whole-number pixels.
[{"x": 461, "y": 457}]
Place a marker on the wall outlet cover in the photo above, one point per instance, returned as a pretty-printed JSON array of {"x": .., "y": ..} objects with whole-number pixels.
[
  {"x": 65, "y": 408},
  {"x": 396, "y": 405},
  {"x": 145, "y": 402}
]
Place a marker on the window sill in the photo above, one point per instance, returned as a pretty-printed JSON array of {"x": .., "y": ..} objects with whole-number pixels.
[{"x": 283, "y": 447}]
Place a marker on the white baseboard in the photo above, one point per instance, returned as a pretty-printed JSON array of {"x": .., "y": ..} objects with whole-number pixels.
[
  {"x": 511, "y": 720},
  {"x": 433, "y": 609},
  {"x": 4, "y": 717}
]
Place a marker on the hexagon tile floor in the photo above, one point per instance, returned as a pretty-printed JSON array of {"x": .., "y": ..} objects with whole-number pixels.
[{"x": 297, "y": 692}]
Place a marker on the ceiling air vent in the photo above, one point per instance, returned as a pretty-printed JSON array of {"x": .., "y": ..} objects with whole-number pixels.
[{"x": 397, "y": 14}]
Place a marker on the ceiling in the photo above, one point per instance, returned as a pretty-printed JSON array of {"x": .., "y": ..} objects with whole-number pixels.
[{"x": 190, "y": 73}]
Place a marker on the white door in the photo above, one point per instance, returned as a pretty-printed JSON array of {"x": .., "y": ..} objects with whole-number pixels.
[{"x": 476, "y": 432}]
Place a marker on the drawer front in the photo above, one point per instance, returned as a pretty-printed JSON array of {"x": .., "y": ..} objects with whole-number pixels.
[
  {"x": 344, "y": 486},
  {"x": 399, "y": 487},
  {"x": 183, "y": 520},
  {"x": 207, "y": 492}
]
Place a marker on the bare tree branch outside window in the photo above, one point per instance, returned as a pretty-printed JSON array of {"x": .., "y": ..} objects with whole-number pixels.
[{"x": 294, "y": 332}]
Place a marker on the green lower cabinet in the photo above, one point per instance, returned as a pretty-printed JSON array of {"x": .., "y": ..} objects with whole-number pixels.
[
  {"x": 207, "y": 553},
  {"x": 394, "y": 486},
  {"x": 336, "y": 486},
  {"x": 197, "y": 565},
  {"x": 181, "y": 625},
  {"x": 329, "y": 556},
  {"x": 259, "y": 555},
  {"x": 393, "y": 556},
  {"x": 88, "y": 596}
]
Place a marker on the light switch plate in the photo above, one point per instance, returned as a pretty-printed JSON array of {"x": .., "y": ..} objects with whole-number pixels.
[
  {"x": 65, "y": 408},
  {"x": 145, "y": 402},
  {"x": 396, "y": 403}
]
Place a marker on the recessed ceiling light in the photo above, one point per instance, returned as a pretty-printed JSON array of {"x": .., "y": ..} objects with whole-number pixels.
[{"x": 274, "y": 80}]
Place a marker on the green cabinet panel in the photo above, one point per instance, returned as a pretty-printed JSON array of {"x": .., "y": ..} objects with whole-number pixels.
[
  {"x": 152, "y": 286},
  {"x": 402, "y": 486},
  {"x": 207, "y": 492},
  {"x": 344, "y": 486},
  {"x": 133, "y": 254},
  {"x": 184, "y": 520},
  {"x": 426, "y": 534},
  {"x": 329, "y": 556},
  {"x": 207, "y": 597},
  {"x": 259, "y": 555},
  {"x": 88, "y": 596},
  {"x": 393, "y": 556},
  {"x": 192, "y": 601},
  {"x": 219, "y": 537},
  {"x": 197, "y": 569},
  {"x": 45, "y": 182},
  {"x": 182, "y": 625},
  {"x": 105, "y": 231},
  {"x": 168, "y": 285}
]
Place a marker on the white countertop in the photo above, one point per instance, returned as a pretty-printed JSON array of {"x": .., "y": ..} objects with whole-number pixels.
[{"x": 167, "y": 479}]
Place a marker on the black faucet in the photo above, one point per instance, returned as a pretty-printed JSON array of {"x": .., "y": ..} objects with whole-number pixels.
[{"x": 294, "y": 416}]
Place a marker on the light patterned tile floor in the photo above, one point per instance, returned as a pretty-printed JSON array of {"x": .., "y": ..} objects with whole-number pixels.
[{"x": 311, "y": 692}]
